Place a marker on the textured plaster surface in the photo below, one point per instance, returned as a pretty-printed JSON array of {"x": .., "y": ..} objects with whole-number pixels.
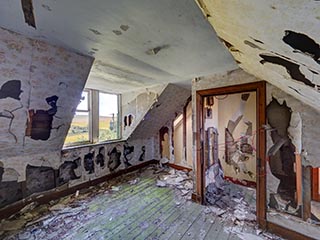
[
  {"x": 277, "y": 41},
  {"x": 135, "y": 43},
  {"x": 39, "y": 71}
]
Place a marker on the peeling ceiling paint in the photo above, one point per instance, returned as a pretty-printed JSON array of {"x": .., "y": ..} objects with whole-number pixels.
[
  {"x": 135, "y": 43},
  {"x": 277, "y": 41}
]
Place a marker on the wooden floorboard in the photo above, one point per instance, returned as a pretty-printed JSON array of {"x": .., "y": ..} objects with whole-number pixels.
[{"x": 140, "y": 211}]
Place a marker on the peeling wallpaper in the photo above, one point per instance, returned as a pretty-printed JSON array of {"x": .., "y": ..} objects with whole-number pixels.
[
  {"x": 303, "y": 129},
  {"x": 40, "y": 87},
  {"x": 41, "y": 81},
  {"x": 136, "y": 104},
  {"x": 277, "y": 41}
]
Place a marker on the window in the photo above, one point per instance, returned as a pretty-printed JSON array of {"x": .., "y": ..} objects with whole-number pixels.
[
  {"x": 96, "y": 119},
  {"x": 108, "y": 116}
]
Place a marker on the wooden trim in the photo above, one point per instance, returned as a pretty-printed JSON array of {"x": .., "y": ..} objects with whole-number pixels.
[
  {"x": 199, "y": 150},
  {"x": 315, "y": 184},
  {"x": 260, "y": 89},
  {"x": 261, "y": 153},
  {"x": 53, "y": 194},
  {"x": 286, "y": 233},
  {"x": 179, "y": 167}
]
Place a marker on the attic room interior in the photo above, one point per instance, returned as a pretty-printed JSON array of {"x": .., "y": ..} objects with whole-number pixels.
[{"x": 184, "y": 119}]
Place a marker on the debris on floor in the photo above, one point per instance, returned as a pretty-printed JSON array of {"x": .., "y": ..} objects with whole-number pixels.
[
  {"x": 181, "y": 181},
  {"x": 86, "y": 213}
]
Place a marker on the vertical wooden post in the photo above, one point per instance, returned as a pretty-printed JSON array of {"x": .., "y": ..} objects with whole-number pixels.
[
  {"x": 306, "y": 192},
  {"x": 261, "y": 160},
  {"x": 298, "y": 165}
]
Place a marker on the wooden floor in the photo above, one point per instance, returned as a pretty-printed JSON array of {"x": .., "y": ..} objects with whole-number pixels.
[{"x": 138, "y": 211}]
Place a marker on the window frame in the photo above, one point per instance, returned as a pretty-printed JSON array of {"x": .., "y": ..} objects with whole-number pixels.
[{"x": 93, "y": 112}]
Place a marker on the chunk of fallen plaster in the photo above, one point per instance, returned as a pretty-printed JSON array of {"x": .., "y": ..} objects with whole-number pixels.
[{"x": 161, "y": 183}]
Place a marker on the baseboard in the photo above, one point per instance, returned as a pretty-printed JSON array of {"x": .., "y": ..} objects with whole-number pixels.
[
  {"x": 178, "y": 167},
  {"x": 55, "y": 193},
  {"x": 286, "y": 233}
]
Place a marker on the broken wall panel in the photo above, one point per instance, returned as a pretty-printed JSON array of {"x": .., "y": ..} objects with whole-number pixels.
[
  {"x": 39, "y": 78},
  {"x": 303, "y": 133}
]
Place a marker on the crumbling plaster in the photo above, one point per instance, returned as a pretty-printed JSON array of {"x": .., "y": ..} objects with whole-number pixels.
[
  {"x": 269, "y": 40},
  {"x": 303, "y": 128},
  {"x": 309, "y": 116},
  {"x": 137, "y": 103},
  {"x": 44, "y": 79}
]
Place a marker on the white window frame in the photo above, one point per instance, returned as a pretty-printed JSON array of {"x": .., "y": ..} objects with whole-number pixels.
[{"x": 93, "y": 111}]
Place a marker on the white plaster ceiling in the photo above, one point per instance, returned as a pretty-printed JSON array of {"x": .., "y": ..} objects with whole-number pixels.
[
  {"x": 135, "y": 43},
  {"x": 277, "y": 41}
]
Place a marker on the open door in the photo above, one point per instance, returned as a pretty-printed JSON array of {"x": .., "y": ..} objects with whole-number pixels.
[{"x": 231, "y": 141}]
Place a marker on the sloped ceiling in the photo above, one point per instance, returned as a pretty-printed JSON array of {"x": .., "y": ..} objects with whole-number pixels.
[
  {"x": 136, "y": 43},
  {"x": 170, "y": 103},
  {"x": 277, "y": 41}
]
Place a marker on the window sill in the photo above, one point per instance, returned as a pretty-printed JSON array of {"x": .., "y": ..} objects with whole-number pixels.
[{"x": 88, "y": 144}]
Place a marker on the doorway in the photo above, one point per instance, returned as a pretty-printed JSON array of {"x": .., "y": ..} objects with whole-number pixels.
[{"x": 230, "y": 141}]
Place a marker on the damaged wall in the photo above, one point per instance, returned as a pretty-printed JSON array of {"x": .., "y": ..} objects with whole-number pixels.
[
  {"x": 40, "y": 87},
  {"x": 300, "y": 131},
  {"x": 135, "y": 105},
  {"x": 286, "y": 53}
]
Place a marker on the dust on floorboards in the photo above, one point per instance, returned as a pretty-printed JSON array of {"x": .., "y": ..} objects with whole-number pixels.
[{"x": 138, "y": 211}]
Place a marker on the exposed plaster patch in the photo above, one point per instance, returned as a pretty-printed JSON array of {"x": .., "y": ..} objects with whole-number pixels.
[
  {"x": 27, "y": 8},
  {"x": 96, "y": 32},
  {"x": 302, "y": 43}
]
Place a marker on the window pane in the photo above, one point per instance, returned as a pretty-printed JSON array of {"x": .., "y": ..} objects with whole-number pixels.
[
  {"x": 108, "y": 116},
  {"x": 84, "y": 103},
  {"x": 79, "y": 129}
]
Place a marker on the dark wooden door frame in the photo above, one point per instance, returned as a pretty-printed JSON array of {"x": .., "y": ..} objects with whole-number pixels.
[{"x": 260, "y": 89}]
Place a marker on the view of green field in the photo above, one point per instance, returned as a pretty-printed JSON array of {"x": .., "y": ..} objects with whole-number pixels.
[{"x": 79, "y": 129}]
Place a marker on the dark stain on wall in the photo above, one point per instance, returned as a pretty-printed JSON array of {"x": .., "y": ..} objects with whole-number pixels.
[
  {"x": 127, "y": 151},
  {"x": 251, "y": 44},
  {"x": 27, "y": 8},
  {"x": 88, "y": 162},
  {"x": 96, "y": 32},
  {"x": 11, "y": 89},
  {"x": 39, "y": 179},
  {"x": 282, "y": 157},
  {"x": 143, "y": 153},
  {"x": 257, "y": 40},
  {"x": 302, "y": 43},
  {"x": 292, "y": 68},
  {"x": 114, "y": 159},
  {"x": 100, "y": 158},
  {"x": 39, "y": 125},
  {"x": 66, "y": 171}
]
